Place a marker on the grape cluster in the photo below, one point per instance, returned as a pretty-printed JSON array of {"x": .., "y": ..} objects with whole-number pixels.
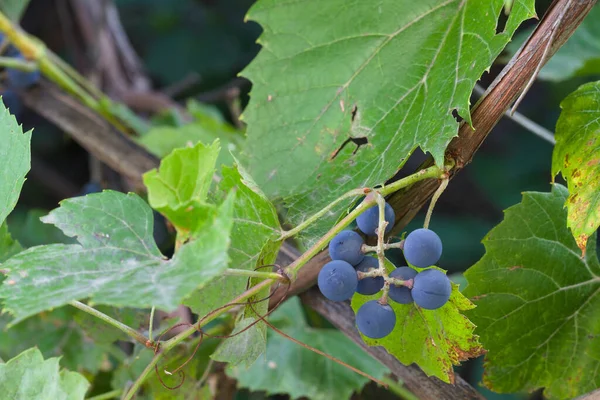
[
  {"x": 15, "y": 79},
  {"x": 352, "y": 271}
]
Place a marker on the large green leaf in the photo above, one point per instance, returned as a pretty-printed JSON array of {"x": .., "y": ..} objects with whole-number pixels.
[
  {"x": 538, "y": 302},
  {"x": 253, "y": 244},
  {"x": 390, "y": 72},
  {"x": 577, "y": 157},
  {"x": 579, "y": 56},
  {"x": 15, "y": 161},
  {"x": 116, "y": 261},
  {"x": 291, "y": 369},
  {"x": 435, "y": 340},
  {"x": 28, "y": 376}
]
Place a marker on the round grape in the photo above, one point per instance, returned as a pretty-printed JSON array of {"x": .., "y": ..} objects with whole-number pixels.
[
  {"x": 369, "y": 286},
  {"x": 375, "y": 320},
  {"x": 401, "y": 294},
  {"x": 431, "y": 289},
  {"x": 337, "y": 280},
  {"x": 347, "y": 246},
  {"x": 422, "y": 248},
  {"x": 368, "y": 222},
  {"x": 21, "y": 79}
]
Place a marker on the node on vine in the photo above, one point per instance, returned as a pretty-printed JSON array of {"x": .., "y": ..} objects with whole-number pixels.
[{"x": 401, "y": 294}]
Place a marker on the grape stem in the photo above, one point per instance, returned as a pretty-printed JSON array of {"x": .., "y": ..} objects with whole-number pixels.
[
  {"x": 293, "y": 268},
  {"x": 380, "y": 250},
  {"x": 254, "y": 274},
  {"x": 374, "y": 273},
  {"x": 434, "y": 199},
  {"x": 52, "y": 67},
  {"x": 386, "y": 246},
  {"x": 129, "y": 331}
]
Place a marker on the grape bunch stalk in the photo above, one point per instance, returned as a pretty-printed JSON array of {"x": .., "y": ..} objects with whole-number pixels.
[{"x": 353, "y": 270}]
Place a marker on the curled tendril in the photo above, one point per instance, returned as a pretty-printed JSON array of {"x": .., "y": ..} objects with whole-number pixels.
[{"x": 203, "y": 334}]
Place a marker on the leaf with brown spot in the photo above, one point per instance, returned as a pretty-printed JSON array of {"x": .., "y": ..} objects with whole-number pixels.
[
  {"x": 390, "y": 71},
  {"x": 576, "y": 158},
  {"x": 435, "y": 340},
  {"x": 535, "y": 320}
]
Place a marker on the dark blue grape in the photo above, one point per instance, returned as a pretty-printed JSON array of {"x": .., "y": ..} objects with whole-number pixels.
[
  {"x": 422, "y": 248},
  {"x": 368, "y": 221},
  {"x": 347, "y": 246},
  {"x": 12, "y": 102},
  {"x": 368, "y": 286},
  {"x": 89, "y": 188},
  {"x": 401, "y": 294},
  {"x": 337, "y": 280},
  {"x": 431, "y": 289},
  {"x": 21, "y": 79},
  {"x": 375, "y": 320}
]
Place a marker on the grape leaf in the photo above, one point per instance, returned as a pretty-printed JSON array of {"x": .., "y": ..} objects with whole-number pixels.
[
  {"x": 116, "y": 261},
  {"x": 243, "y": 348},
  {"x": 387, "y": 76},
  {"x": 8, "y": 246},
  {"x": 179, "y": 188},
  {"x": 253, "y": 244},
  {"x": 435, "y": 340},
  {"x": 537, "y": 302},
  {"x": 296, "y": 371},
  {"x": 29, "y": 376},
  {"x": 15, "y": 161},
  {"x": 576, "y": 156},
  {"x": 579, "y": 56},
  {"x": 28, "y": 229},
  {"x": 55, "y": 334}
]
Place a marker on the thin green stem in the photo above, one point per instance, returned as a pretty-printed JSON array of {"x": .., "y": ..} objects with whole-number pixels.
[
  {"x": 129, "y": 331},
  {"x": 108, "y": 395},
  {"x": 253, "y": 274},
  {"x": 15, "y": 63},
  {"x": 151, "y": 323},
  {"x": 51, "y": 66},
  {"x": 431, "y": 172},
  {"x": 434, "y": 200},
  {"x": 398, "y": 389},
  {"x": 174, "y": 341},
  {"x": 140, "y": 380},
  {"x": 311, "y": 220}
]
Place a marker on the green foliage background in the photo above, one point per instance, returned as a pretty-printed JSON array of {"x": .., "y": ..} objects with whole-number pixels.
[{"x": 209, "y": 39}]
